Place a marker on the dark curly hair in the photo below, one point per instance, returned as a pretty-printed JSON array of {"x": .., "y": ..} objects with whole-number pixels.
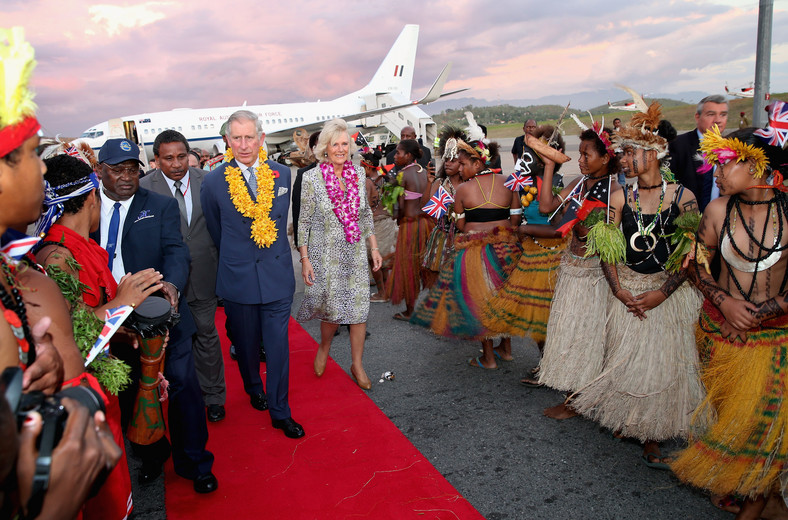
[
  {"x": 63, "y": 169},
  {"x": 412, "y": 147}
]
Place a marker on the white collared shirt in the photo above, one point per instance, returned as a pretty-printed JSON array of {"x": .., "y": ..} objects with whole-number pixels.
[
  {"x": 186, "y": 190},
  {"x": 107, "y": 207}
]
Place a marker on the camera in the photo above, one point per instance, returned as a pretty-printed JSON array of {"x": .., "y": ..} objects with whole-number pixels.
[{"x": 54, "y": 416}]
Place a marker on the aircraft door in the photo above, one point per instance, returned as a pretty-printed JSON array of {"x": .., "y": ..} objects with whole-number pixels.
[{"x": 130, "y": 129}]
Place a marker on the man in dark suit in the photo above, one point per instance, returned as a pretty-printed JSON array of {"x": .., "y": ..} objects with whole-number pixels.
[
  {"x": 171, "y": 150},
  {"x": 141, "y": 229},
  {"x": 518, "y": 148},
  {"x": 683, "y": 150},
  {"x": 410, "y": 133},
  {"x": 255, "y": 278}
]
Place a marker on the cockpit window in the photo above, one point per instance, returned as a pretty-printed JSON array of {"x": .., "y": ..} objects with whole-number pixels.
[{"x": 92, "y": 134}]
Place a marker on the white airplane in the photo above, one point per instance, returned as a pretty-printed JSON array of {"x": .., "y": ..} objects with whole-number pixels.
[
  {"x": 743, "y": 92},
  {"x": 383, "y": 101}
]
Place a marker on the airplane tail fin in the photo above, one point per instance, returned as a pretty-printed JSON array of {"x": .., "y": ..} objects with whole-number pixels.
[{"x": 395, "y": 74}]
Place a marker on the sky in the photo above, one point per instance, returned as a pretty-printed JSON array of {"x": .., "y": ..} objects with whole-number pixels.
[{"x": 98, "y": 60}]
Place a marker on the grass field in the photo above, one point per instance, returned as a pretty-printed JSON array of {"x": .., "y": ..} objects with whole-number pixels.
[{"x": 682, "y": 117}]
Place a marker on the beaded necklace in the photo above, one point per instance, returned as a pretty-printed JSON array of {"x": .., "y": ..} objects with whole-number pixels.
[
  {"x": 764, "y": 256},
  {"x": 15, "y": 314},
  {"x": 646, "y": 230}
]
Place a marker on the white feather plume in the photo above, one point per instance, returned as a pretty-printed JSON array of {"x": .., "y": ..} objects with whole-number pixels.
[
  {"x": 582, "y": 125},
  {"x": 637, "y": 98},
  {"x": 474, "y": 132}
]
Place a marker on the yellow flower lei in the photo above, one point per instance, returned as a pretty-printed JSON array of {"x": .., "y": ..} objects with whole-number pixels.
[{"x": 264, "y": 230}]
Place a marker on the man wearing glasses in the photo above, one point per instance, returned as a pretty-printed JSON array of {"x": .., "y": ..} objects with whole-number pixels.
[{"x": 141, "y": 229}]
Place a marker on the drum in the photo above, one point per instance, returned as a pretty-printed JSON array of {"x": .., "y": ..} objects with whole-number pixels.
[{"x": 151, "y": 320}]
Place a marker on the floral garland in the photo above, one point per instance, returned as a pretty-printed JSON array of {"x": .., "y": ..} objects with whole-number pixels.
[
  {"x": 264, "y": 230},
  {"x": 346, "y": 204}
]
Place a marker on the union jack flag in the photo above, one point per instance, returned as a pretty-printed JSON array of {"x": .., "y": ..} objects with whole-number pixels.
[
  {"x": 438, "y": 205},
  {"x": 18, "y": 248},
  {"x": 518, "y": 181},
  {"x": 776, "y": 134},
  {"x": 113, "y": 319}
]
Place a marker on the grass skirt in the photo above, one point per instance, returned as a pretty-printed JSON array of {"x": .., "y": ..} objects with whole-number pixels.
[
  {"x": 745, "y": 449},
  {"x": 404, "y": 282},
  {"x": 575, "y": 346},
  {"x": 439, "y": 249},
  {"x": 481, "y": 263},
  {"x": 386, "y": 236},
  {"x": 650, "y": 384},
  {"x": 522, "y": 305}
]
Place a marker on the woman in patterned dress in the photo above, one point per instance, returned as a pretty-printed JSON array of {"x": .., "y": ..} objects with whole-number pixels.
[{"x": 334, "y": 223}]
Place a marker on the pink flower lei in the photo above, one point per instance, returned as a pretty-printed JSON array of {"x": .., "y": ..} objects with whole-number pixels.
[{"x": 346, "y": 204}]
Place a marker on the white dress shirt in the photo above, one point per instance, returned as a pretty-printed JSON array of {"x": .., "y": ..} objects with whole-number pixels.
[
  {"x": 186, "y": 190},
  {"x": 107, "y": 207}
]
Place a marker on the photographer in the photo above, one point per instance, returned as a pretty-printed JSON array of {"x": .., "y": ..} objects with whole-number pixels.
[{"x": 85, "y": 451}]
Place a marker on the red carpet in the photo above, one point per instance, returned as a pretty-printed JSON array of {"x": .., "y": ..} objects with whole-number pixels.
[{"x": 352, "y": 463}]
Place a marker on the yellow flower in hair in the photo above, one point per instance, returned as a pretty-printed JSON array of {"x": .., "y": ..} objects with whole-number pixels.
[{"x": 720, "y": 150}]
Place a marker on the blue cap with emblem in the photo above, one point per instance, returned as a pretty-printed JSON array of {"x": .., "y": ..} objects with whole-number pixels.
[{"x": 116, "y": 151}]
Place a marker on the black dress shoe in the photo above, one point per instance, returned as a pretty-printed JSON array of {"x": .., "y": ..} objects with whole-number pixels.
[
  {"x": 149, "y": 472},
  {"x": 232, "y": 353},
  {"x": 206, "y": 483},
  {"x": 259, "y": 402},
  {"x": 291, "y": 428},
  {"x": 215, "y": 412}
]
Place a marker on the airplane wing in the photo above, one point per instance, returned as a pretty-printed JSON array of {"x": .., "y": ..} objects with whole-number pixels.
[{"x": 433, "y": 94}]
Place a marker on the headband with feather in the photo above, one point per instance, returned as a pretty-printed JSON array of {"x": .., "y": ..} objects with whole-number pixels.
[
  {"x": 641, "y": 131},
  {"x": 599, "y": 130},
  {"x": 17, "y": 110}
]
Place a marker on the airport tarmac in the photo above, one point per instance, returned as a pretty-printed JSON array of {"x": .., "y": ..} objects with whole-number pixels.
[{"x": 486, "y": 434}]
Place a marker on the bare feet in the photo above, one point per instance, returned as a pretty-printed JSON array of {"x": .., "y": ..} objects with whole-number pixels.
[
  {"x": 751, "y": 509},
  {"x": 378, "y": 298},
  {"x": 360, "y": 377},
  {"x": 726, "y": 503},
  {"x": 560, "y": 412},
  {"x": 775, "y": 508}
]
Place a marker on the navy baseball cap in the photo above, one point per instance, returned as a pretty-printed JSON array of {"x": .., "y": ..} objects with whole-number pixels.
[{"x": 115, "y": 151}]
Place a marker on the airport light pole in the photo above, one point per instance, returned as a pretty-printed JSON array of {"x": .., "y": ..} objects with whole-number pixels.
[{"x": 763, "y": 54}]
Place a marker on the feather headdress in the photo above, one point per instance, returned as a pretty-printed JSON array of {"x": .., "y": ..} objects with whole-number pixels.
[
  {"x": 641, "y": 131},
  {"x": 17, "y": 109},
  {"x": 599, "y": 130},
  {"x": 447, "y": 147},
  {"x": 718, "y": 150},
  {"x": 81, "y": 150}
]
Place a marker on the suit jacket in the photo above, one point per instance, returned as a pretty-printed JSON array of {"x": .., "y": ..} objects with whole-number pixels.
[
  {"x": 248, "y": 274},
  {"x": 151, "y": 237},
  {"x": 684, "y": 164},
  {"x": 296, "y": 203},
  {"x": 204, "y": 257}
]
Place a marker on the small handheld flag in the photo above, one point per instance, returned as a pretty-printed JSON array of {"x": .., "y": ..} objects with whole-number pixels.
[
  {"x": 517, "y": 181},
  {"x": 438, "y": 205},
  {"x": 112, "y": 322}
]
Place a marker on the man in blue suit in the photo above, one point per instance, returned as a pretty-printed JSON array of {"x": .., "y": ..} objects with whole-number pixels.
[
  {"x": 255, "y": 281},
  {"x": 141, "y": 229}
]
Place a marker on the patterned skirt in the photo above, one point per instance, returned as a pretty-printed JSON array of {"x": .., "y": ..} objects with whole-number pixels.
[
  {"x": 574, "y": 350},
  {"x": 650, "y": 384},
  {"x": 745, "y": 449},
  {"x": 439, "y": 249},
  {"x": 522, "y": 305},
  {"x": 404, "y": 283},
  {"x": 480, "y": 265}
]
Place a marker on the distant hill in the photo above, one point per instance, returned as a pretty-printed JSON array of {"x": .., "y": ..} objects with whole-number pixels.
[
  {"x": 580, "y": 100},
  {"x": 507, "y": 120}
]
